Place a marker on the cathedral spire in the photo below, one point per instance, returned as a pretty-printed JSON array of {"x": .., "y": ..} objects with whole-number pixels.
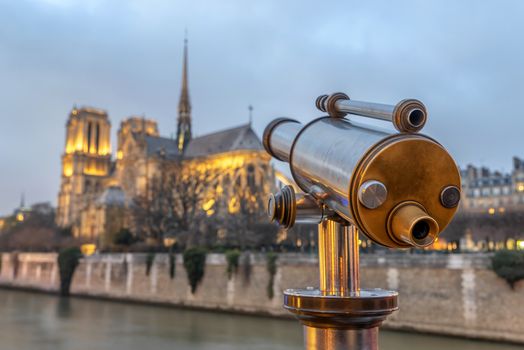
[{"x": 184, "y": 107}]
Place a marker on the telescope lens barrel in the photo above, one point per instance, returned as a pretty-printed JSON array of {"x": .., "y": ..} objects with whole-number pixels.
[
  {"x": 407, "y": 116},
  {"x": 411, "y": 224},
  {"x": 279, "y": 136},
  {"x": 400, "y": 190},
  {"x": 416, "y": 118}
]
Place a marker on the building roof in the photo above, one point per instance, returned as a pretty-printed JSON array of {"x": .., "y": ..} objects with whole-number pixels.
[
  {"x": 240, "y": 138},
  {"x": 156, "y": 145}
]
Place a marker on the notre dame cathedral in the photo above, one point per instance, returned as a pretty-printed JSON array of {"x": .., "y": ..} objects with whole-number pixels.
[{"x": 97, "y": 192}]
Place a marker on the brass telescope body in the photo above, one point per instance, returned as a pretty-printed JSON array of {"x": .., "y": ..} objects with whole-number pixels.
[
  {"x": 333, "y": 160},
  {"x": 400, "y": 190}
]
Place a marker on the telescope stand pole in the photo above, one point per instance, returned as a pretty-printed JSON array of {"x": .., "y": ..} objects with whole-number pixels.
[
  {"x": 339, "y": 276},
  {"x": 340, "y": 315}
]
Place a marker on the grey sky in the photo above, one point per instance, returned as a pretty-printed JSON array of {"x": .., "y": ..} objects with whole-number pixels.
[{"x": 462, "y": 58}]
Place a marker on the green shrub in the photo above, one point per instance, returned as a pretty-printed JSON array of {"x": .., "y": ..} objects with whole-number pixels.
[
  {"x": 232, "y": 257},
  {"x": 67, "y": 262},
  {"x": 172, "y": 265},
  {"x": 150, "y": 258},
  {"x": 271, "y": 266},
  {"x": 195, "y": 263},
  {"x": 509, "y": 265}
]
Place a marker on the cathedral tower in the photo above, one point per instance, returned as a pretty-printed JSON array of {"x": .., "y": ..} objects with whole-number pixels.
[
  {"x": 85, "y": 162},
  {"x": 183, "y": 134}
]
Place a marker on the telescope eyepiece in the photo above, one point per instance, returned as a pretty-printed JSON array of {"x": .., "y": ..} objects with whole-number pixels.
[
  {"x": 420, "y": 230},
  {"x": 416, "y": 118},
  {"x": 410, "y": 224}
]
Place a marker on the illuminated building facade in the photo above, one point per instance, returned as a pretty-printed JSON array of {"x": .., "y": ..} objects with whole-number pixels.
[
  {"x": 97, "y": 191},
  {"x": 86, "y": 162},
  {"x": 492, "y": 191}
]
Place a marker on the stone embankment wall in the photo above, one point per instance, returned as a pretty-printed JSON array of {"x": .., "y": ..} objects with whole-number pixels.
[{"x": 443, "y": 294}]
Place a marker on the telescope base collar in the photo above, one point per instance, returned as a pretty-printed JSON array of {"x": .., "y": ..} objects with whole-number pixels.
[{"x": 366, "y": 309}]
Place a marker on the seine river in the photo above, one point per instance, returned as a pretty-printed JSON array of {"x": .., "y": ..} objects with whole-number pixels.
[{"x": 31, "y": 321}]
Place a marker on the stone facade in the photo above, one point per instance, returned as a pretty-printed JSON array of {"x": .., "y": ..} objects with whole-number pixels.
[
  {"x": 493, "y": 192},
  {"x": 443, "y": 294},
  {"x": 90, "y": 176}
]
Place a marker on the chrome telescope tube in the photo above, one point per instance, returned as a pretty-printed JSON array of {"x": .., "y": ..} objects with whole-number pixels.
[
  {"x": 407, "y": 116},
  {"x": 400, "y": 190}
]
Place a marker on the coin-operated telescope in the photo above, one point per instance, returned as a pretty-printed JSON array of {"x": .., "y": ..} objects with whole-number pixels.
[{"x": 400, "y": 190}]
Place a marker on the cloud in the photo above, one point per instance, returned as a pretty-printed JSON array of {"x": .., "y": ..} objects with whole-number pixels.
[{"x": 463, "y": 59}]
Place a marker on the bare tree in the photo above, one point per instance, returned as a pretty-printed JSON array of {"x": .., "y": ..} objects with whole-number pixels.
[
  {"x": 37, "y": 232},
  {"x": 247, "y": 225},
  {"x": 173, "y": 203},
  {"x": 191, "y": 187},
  {"x": 152, "y": 210}
]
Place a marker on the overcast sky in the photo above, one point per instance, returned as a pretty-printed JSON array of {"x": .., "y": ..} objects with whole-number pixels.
[{"x": 463, "y": 59}]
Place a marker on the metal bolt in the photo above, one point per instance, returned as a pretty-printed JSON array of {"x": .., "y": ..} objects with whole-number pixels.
[
  {"x": 450, "y": 196},
  {"x": 372, "y": 194}
]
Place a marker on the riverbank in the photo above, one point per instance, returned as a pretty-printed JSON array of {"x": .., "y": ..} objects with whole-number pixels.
[
  {"x": 442, "y": 294},
  {"x": 40, "y": 321}
]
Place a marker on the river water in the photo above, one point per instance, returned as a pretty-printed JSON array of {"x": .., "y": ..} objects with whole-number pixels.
[{"x": 31, "y": 321}]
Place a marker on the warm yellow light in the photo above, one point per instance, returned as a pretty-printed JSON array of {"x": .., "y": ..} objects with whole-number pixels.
[
  {"x": 151, "y": 130},
  {"x": 234, "y": 205},
  {"x": 68, "y": 170},
  {"x": 20, "y": 217},
  {"x": 88, "y": 249},
  {"x": 93, "y": 170},
  {"x": 520, "y": 245},
  {"x": 79, "y": 145},
  {"x": 70, "y": 148},
  {"x": 229, "y": 162},
  {"x": 119, "y": 155},
  {"x": 208, "y": 205},
  {"x": 169, "y": 241},
  {"x": 502, "y": 209},
  {"x": 491, "y": 211},
  {"x": 181, "y": 142},
  {"x": 439, "y": 244},
  {"x": 520, "y": 188},
  {"x": 103, "y": 151}
]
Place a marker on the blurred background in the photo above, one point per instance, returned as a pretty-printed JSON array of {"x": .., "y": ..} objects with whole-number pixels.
[{"x": 131, "y": 153}]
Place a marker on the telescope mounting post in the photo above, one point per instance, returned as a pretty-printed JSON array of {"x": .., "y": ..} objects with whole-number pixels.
[
  {"x": 358, "y": 175},
  {"x": 340, "y": 315}
]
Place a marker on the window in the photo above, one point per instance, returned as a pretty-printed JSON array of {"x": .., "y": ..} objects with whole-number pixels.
[
  {"x": 89, "y": 126},
  {"x": 97, "y": 137},
  {"x": 251, "y": 177}
]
